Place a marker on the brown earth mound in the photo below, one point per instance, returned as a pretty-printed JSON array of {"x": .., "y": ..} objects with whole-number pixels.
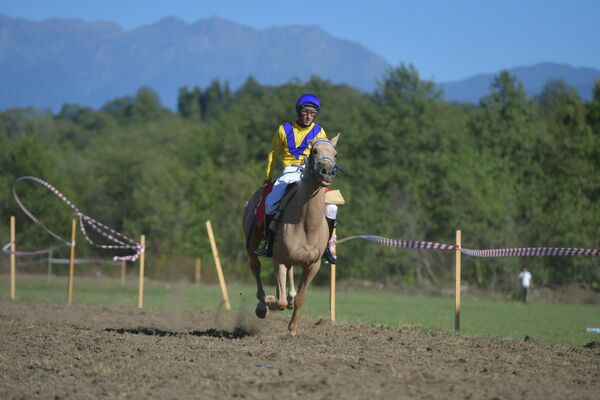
[{"x": 83, "y": 352}]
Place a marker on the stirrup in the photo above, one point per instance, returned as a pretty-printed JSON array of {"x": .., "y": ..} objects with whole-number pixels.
[
  {"x": 329, "y": 257},
  {"x": 265, "y": 251}
]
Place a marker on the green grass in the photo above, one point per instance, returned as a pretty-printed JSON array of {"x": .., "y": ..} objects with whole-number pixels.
[{"x": 554, "y": 323}]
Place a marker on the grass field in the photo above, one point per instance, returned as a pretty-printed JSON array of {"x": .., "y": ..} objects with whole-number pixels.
[{"x": 554, "y": 323}]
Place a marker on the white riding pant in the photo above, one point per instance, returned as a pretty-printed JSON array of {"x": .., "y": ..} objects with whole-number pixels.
[{"x": 290, "y": 174}]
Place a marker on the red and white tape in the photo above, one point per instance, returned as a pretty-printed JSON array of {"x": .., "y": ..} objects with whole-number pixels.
[
  {"x": 7, "y": 246},
  {"x": 407, "y": 244},
  {"x": 118, "y": 240},
  {"x": 512, "y": 252},
  {"x": 532, "y": 252}
]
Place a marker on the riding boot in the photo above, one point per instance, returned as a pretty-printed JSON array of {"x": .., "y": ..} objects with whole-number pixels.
[
  {"x": 267, "y": 249},
  {"x": 328, "y": 256}
]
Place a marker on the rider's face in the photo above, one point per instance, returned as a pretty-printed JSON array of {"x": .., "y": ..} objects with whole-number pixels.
[{"x": 306, "y": 116}]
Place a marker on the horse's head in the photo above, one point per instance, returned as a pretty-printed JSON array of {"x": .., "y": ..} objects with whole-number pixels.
[{"x": 321, "y": 162}]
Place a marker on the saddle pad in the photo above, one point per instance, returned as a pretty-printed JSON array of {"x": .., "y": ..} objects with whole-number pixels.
[
  {"x": 259, "y": 211},
  {"x": 334, "y": 197}
]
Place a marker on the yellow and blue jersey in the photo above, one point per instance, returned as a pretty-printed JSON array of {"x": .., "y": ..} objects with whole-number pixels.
[{"x": 291, "y": 144}]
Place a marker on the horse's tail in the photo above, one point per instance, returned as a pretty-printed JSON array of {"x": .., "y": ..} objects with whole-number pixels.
[{"x": 249, "y": 218}]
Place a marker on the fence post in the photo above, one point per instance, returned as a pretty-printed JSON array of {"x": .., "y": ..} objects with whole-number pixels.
[
  {"x": 198, "y": 270},
  {"x": 123, "y": 273},
  {"x": 215, "y": 252},
  {"x": 141, "y": 282},
  {"x": 71, "y": 262},
  {"x": 13, "y": 261},
  {"x": 457, "y": 268},
  {"x": 332, "y": 283},
  {"x": 49, "y": 266}
]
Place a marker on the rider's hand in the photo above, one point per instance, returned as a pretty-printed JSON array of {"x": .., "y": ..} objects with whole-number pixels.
[{"x": 267, "y": 182}]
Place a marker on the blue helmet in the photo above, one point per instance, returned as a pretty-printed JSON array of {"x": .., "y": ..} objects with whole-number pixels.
[{"x": 308, "y": 99}]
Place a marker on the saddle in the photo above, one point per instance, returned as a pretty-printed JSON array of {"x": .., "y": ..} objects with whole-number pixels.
[
  {"x": 260, "y": 209},
  {"x": 331, "y": 197}
]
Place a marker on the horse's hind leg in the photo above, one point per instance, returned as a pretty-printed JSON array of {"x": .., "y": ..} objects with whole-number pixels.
[
  {"x": 255, "y": 267},
  {"x": 253, "y": 238}
]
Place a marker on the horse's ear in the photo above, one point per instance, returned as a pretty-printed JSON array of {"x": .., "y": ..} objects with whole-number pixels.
[{"x": 335, "y": 140}]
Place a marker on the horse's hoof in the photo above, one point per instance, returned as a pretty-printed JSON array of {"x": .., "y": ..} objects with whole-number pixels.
[
  {"x": 293, "y": 329},
  {"x": 290, "y": 300},
  {"x": 270, "y": 299},
  {"x": 261, "y": 310}
]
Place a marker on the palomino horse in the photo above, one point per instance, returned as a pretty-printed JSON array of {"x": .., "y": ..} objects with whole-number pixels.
[{"x": 302, "y": 234}]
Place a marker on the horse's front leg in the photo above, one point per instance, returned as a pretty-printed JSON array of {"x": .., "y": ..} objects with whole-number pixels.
[
  {"x": 308, "y": 274},
  {"x": 282, "y": 273},
  {"x": 291, "y": 295}
]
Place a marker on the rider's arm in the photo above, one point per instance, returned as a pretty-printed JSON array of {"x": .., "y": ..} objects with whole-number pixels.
[{"x": 273, "y": 153}]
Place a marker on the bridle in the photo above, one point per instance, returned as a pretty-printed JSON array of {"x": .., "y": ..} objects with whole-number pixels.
[{"x": 311, "y": 161}]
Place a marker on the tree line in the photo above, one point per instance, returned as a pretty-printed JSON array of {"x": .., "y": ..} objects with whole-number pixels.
[{"x": 511, "y": 171}]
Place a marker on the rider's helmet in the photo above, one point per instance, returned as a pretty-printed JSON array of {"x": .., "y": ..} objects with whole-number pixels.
[{"x": 308, "y": 99}]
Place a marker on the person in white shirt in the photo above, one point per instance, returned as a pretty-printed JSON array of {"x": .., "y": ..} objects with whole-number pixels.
[{"x": 526, "y": 280}]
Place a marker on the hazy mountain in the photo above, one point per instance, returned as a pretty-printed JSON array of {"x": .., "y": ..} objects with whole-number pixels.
[
  {"x": 532, "y": 77},
  {"x": 48, "y": 63}
]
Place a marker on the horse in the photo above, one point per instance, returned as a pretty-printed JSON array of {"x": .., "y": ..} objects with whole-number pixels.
[{"x": 302, "y": 233}]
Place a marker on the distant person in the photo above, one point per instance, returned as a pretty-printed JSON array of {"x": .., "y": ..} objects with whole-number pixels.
[
  {"x": 290, "y": 146},
  {"x": 526, "y": 280}
]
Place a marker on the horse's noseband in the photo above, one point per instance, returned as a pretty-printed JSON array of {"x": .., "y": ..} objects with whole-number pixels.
[{"x": 323, "y": 172}]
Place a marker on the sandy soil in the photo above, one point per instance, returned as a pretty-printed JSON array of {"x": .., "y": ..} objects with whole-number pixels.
[{"x": 53, "y": 352}]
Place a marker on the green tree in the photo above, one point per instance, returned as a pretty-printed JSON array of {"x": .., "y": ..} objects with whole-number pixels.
[
  {"x": 593, "y": 109},
  {"x": 188, "y": 102},
  {"x": 571, "y": 183},
  {"x": 509, "y": 172},
  {"x": 24, "y": 155},
  {"x": 143, "y": 107}
]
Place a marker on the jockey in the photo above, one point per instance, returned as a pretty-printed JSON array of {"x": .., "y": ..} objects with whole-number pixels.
[{"x": 290, "y": 145}]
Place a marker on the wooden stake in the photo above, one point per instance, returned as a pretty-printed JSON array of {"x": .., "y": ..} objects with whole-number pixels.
[
  {"x": 457, "y": 268},
  {"x": 332, "y": 285},
  {"x": 215, "y": 252},
  {"x": 123, "y": 265},
  {"x": 71, "y": 262},
  {"x": 198, "y": 270},
  {"x": 13, "y": 260},
  {"x": 141, "y": 284},
  {"x": 49, "y": 266}
]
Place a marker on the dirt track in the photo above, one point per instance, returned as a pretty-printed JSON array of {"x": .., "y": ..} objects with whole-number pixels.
[{"x": 81, "y": 352}]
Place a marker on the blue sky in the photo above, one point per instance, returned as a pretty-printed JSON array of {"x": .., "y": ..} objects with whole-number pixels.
[{"x": 445, "y": 40}]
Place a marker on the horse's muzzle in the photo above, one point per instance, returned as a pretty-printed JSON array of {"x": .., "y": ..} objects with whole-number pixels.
[{"x": 326, "y": 172}]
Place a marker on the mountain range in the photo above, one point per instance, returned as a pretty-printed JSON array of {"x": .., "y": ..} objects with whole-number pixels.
[
  {"x": 47, "y": 63},
  {"x": 533, "y": 78}
]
